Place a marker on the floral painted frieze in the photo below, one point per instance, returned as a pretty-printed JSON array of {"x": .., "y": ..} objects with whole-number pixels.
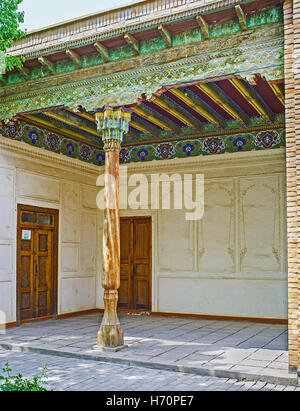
[
  {"x": 260, "y": 140},
  {"x": 231, "y": 143}
]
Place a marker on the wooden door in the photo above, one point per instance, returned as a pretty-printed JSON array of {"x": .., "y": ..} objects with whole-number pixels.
[
  {"x": 136, "y": 271},
  {"x": 37, "y": 263},
  {"x": 43, "y": 273}
]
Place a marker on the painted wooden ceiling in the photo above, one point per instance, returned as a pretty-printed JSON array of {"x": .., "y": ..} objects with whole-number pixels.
[{"x": 179, "y": 111}]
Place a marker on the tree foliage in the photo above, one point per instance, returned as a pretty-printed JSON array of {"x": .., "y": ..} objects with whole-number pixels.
[
  {"x": 19, "y": 383},
  {"x": 10, "y": 19}
]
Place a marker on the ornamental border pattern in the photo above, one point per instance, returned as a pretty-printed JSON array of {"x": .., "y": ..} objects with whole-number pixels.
[
  {"x": 250, "y": 52},
  {"x": 204, "y": 8},
  {"x": 177, "y": 57},
  {"x": 231, "y": 143}
]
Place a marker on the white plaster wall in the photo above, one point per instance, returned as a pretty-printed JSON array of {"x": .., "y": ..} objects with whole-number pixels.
[
  {"x": 233, "y": 262},
  {"x": 230, "y": 263},
  {"x": 35, "y": 177}
]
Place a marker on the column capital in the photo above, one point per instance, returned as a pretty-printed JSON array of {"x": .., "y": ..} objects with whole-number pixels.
[{"x": 113, "y": 123}]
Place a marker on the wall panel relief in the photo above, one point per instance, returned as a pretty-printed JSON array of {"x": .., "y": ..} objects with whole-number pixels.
[
  {"x": 6, "y": 220},
  {"x": 216, "y": 247},
  {"x": 260, "y": 224},
  {"x": 88, "y": 243},
  {"x": 37, "y": 186},
  {"x": 70, "y": 221},
  {"x": 176, "y": 241}
]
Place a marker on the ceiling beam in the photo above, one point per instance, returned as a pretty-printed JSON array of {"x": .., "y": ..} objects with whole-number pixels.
[
  {"x": 203, "y": 26},
  {"x": 159, "y": 119},
  {"x": 140, "y": 125},
  {"x": 165, "y": 34},
  {"x": 278, "y": 92},
  {"x": 224, "y": 102},
  {"x": 132, "y": 134},
  {"x": 59, "y": 129},
  {"x": 177, "y": 112},
  {"x": 241, "y": 16},
  {"x": 133, "y": 43},
  {"x": 47, "y": 63},
  {"x": 102, "y": 50},
  {"x": 25, "y": 72},
  {"x": 200, "y": 107},
  {"x": 253, "y": 98},
  {"x": 75, "y": 57},
  {"x": 63, "y": 119},
  {"x": 142, "y": 112},
  {"x": 83, "y": 115}
]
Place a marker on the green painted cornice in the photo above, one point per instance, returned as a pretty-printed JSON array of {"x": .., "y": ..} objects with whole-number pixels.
[
  {"x": 246, "y": 54},
  {"x": 190, "y": 37}
]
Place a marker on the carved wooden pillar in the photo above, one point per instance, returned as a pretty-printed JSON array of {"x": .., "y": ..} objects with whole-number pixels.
[{"x": 113, "y": 123}]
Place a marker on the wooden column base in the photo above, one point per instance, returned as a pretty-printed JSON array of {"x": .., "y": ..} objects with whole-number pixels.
[{"x": 110, "y": 335}]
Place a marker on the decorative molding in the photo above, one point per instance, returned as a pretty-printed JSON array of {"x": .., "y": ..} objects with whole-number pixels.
[
  {"x": 241, "y": 16},
  {"x": 25, "y": 72},
  {"x": 93, "y": 87},
  {"x": 203, "y": 26},
  {"x": 102, "y": 50},
  {"x": 37, "y": 43},
  {"x": 75, "y": 57},
  {"x": 165, "y": 34},
  {"x": 133, "y": 43},
  {"x": 266, "y": 140},
  {"x": 22, "y": 149},
  {"x": 47, "y": 64}
]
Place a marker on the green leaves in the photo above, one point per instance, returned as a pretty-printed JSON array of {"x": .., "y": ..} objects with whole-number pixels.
[
  {"x": 19, "y": 383},
  {"x": 10, "y": 19}
]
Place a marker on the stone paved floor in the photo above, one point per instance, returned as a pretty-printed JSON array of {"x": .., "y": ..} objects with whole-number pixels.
[
  {"x": 256, "y": 350},
  {"x": 69, "y": 374}
]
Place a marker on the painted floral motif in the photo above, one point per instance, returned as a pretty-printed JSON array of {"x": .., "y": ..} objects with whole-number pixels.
[
  {"x": 85, "y": 152},
  {"x": 161, "y": 151},
  {"x": 53, "y": 142},
  {"x": 142, "y": 153},
  {"x": 188, "y": 148},
  {"x": 243, "y": 142},
  {"x": 165, "y": 151},
  {"x": 213, "y": 145},
  {"x": 34, "y": 136},
  {"x": 13, "y": 130},
  {"x": 124, "y": 156},
  {"x": 267, "y": 139},
  {"x": 239, "y": 143},
  {"x": 99, "y": 158},
  {"x": 70, "y": 148}
]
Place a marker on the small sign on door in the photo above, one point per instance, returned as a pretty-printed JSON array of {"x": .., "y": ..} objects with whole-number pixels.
[{"x": 26, "y": 234}]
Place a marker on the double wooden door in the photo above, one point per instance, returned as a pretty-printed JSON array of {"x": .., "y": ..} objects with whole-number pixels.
[
  {"x": 136, "y": 271},
  {"x": 37, "y": 261}
]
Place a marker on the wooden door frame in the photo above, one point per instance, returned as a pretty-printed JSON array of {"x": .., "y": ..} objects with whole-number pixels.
[
  {"x": 55, "y": 214},
  {"x": 151, "y": 262}
]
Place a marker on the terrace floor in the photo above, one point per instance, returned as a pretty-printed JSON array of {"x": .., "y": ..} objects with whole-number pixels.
[{"x": 234, "y": 349}]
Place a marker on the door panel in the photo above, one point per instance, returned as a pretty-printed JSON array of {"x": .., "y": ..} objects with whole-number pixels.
[
  {"x": 125, "y": 264},
  {"x": 141, "y": 263},
  {"x": 37, "y": 262},
  {"x": 26, "y": 278},
  {"x": 135, "y": 290},
  {"x": 44, "y": 272}
]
